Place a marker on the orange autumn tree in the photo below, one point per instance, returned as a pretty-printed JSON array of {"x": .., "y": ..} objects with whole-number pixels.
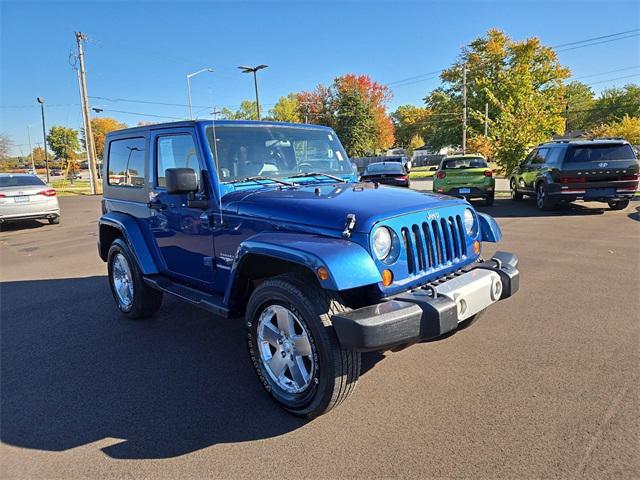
[
  {"x": 100, "y": 127},
  {"x": 355, "y": 107}
]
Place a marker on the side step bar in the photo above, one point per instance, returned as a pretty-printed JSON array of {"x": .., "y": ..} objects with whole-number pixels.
[{"x": 204, "y": 300}]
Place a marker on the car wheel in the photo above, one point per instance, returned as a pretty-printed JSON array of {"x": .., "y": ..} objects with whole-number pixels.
[
  {"x": 54, "y": 220},
  {"x": 294, "y": 348},
  {"x": 488, "y": 201},
  {"x": 133, "y": 297},
  {"x": 543, "y": 201},
  {"x": 618, "y": 204},
  {"x": 515, "y": 196}
]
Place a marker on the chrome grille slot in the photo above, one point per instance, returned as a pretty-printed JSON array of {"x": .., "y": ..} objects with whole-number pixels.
[{"x": 434, "y": 244}]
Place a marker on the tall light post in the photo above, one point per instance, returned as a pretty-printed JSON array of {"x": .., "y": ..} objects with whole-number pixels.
[
  {"x": 33, "y": 165},
  {"x": 44, "y": 136},
  {"x": 189, "y": 87},
  {"x": 253, "y": 70}
]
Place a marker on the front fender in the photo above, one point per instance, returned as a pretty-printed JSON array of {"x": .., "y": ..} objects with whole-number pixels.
[
  {"x": 349, "y": 264},
  {"x": 130, "y": 230},
  {"x": 489, "y": 229}
]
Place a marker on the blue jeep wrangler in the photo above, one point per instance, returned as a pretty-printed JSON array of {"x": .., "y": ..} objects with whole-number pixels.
[{"x": 267, "y": 222}]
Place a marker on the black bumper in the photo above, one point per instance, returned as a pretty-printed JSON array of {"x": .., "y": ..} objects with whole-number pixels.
[{"x": 415, "y": 315}]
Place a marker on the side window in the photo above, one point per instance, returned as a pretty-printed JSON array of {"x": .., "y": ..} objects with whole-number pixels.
[
  {"x": 125, "y": 163},
  {"x": 539, "y": 156},
  {"x": 553, "y": 157},
  {"x": 175, "y": 151},
  {"x": 528, "y": 158}
]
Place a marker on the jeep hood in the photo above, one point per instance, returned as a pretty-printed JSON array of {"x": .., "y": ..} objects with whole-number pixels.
[{"x": 328, "y": 205}]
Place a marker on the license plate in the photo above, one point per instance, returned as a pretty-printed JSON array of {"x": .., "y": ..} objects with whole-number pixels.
[
  {"x": 600, "y": 192},
  {"x": 21, "y": 199},
  {"x": 465, "y": 190}
]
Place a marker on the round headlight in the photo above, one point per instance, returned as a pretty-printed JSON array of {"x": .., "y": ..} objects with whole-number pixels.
[
  {"x": 469, "y": 220},
  {"x": 381, "y": 243}
]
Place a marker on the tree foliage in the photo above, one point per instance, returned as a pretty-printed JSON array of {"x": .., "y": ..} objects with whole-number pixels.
[
  {"x": 410, "y": 122},
  {"x": 38, "y": 154},
  {"x": 5, "y": 146},
  {"x": 100, "y": 127},
  {"x": 522, "y": 83},
  {"x": 579, "y": 107},
  {"x": 614, "y": 104},
  {"x": 355, "y": 106},
  {"x": 627, "y": 128},
  {"x": 247, "y": 111},
  {"x": 63, "y": 141},
  {"x": 287, "y": 109}
]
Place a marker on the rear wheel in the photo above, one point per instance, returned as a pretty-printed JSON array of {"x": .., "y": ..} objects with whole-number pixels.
[
  {"x": 294, "y": 349},
  {"x": 618, "y": 204},
  {"x": 133, "y": 297},
  {"x": 543, "y": 201},
  {"x": 515, "y": 195},
  {"x": 54, "y": 220}
]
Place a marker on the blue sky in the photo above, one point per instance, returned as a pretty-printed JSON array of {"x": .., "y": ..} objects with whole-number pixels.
[{"x": 143, "y": 50}]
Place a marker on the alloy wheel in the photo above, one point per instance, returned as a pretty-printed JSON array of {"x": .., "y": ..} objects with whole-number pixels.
[{"x": 122, "y": 280}]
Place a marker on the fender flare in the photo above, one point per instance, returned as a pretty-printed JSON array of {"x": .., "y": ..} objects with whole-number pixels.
[
  {"x": 489, "y": 228},
  {"x": 132, "y": 234},
  {"x": 348, "y": 263}
]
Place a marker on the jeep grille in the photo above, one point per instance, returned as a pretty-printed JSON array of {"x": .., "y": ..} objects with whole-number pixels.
[{"x": 434, "y": 243}]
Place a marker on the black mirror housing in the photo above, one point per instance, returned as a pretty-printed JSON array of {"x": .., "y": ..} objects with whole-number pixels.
[{"x": 181, "y": 180}]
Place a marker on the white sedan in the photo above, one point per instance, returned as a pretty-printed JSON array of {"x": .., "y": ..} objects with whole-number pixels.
[{"x": 24, "y": 196}]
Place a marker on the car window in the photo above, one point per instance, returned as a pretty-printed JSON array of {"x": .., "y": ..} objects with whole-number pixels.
[
  {"x": 540, "y": 155},
  {"x": 465, "y": 162},
  {"x": 125, "y": 163},
  {"x": 175, "y": 151},
  {"x": 19, "y": 181},
  {"x": 600, "y": 153},
  {"x": 553, "y": 157},
  {"x": 384, "y": 167}
]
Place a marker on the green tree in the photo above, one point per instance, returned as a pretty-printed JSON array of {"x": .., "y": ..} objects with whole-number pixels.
[
  {"x": 355, "y": 124},
  {"x": 287, "y": 109},
  {"x": 580, "y": 102},
  {"x": 247, "y": 111},
  {"x": 410, "y": 122},
  {"x": 63, "y": 141},
  {"x": 522, "y": 83},
  {"x": 614, "y": 104}
]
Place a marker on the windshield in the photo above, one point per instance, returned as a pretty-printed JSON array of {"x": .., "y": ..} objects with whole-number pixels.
[
  {"x": 384, "y": 167},
  {"x": 245, "y": 151},
  {"x": 465, "y": 163},
  {"x": 600, "y": 153},
  {"x": 19, "y": 181}
]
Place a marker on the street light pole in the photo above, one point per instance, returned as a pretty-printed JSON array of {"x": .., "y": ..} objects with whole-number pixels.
[
  {"x": 189, "y": 87},
  {"x": 253, "y": 70},
  {"x": 44, "y": 136},
  {"x": 33, "y": 165}
]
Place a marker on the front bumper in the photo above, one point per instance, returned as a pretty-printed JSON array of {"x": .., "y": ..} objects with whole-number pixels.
[{"x": 431, "y": 310}]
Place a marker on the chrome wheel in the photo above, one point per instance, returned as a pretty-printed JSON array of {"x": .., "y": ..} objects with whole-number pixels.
[
  {"x": 285, "y": 349},
  {"x": 513, "y": 189},
  {"x": 122, "y": 280}
]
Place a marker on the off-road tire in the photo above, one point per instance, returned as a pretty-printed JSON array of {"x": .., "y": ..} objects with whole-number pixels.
[
  {"x": 54, "y": 220},
  {"x": 515, "y": 195},
  {"x": 146, "y": 300},
  {"x": 618, "y": 204},
  {"x": 336, "y": 369}
]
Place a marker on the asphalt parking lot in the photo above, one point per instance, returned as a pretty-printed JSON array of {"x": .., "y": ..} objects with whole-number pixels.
[{"x": 544, "y": 385}]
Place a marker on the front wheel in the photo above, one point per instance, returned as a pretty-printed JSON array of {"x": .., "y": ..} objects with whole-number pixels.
[
  {"x": 294, "y": 348},
  {"x": 515, "y": 195},
  {"x": 618, "y": 204}
]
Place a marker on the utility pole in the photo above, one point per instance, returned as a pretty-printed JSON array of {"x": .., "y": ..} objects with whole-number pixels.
[
  {"x": 486, "y": 119},
  {"x": 96, "y": 187},
  {"x": 44, "y": 137},
  {"x": 33, "y": 165},
  {"x": 464, "y": 109}
]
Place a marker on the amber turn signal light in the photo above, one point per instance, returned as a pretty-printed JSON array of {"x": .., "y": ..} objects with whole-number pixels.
[
  {"x": 387, "y": 277},
  {"x": 476, "y": 247},
  {"x": 323, "y": 273}
]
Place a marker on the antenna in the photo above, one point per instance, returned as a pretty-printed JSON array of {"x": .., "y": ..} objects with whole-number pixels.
[{"x": 215, "y": 160}]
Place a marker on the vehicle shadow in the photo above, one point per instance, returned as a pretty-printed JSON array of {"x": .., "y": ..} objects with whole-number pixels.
[
  {"x": 74, "y": 371},
  {"x": 22, "y": 225},
  {"x": 505, "y": 208},
  {"x": 635, "y": 215}
]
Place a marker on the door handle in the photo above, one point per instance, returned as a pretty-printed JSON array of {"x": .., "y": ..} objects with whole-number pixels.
[{"x": 157, "y": 205}]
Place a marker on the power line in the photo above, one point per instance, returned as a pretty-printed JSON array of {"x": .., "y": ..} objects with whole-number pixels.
[
  {"x": 595, "y": 38},
  {"x": 143, "y": 114},
  {"x": 597, "y": 43},
  {"x": 613, "y": 79}
]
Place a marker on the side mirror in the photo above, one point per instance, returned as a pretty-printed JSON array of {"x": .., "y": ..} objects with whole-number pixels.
[{"x": 181, "y": 180}]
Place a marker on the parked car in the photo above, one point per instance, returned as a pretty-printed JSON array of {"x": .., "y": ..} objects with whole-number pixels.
[
  {"x": 402, "y": 159},
  {"x": 319, "y": 266},
  {"x": 24, "y": 196},
  {"x": 56, "y": 172},
  {"x": 467, "y": 176},
  {"x": 389, "y": 173},
  {"x": 604, "y": 170}
]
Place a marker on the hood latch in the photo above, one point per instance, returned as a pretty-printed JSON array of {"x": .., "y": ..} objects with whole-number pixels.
[{"x": 349, "y": 225}]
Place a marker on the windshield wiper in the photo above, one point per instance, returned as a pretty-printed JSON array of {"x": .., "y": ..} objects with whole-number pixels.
[
  {"x": 317, "y": 174},
  {"x": 260, "y": 178}
]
